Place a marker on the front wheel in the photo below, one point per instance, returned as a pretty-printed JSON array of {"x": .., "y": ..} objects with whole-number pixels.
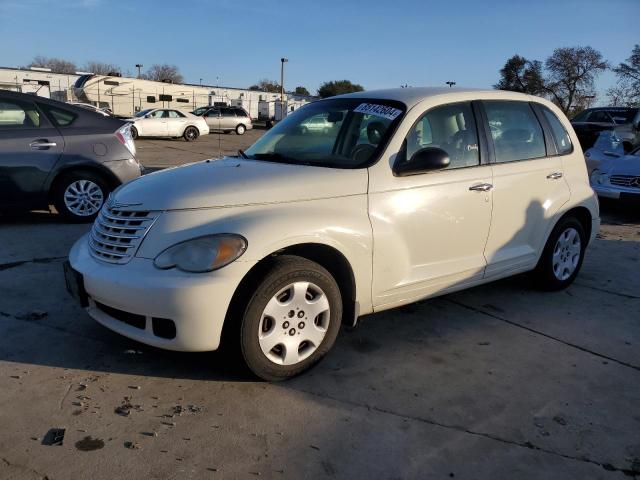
[
  {"x": 191, "y": 133},
  {"x": 134, "y": 133},
  {"x": 291, "y": 320},
  {"x": 240, "y": 129},
  {"x": 562, "y": 256}
]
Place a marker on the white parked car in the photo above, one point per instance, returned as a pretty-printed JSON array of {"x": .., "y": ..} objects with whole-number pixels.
[
  {"x": 618, "y": 176},
  {"x": 411, "y": 194},
  {"x": 168, "y": 122}
]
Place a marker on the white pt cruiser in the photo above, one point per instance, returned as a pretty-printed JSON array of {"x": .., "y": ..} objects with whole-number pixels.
[{"x": 409, "y": 194}]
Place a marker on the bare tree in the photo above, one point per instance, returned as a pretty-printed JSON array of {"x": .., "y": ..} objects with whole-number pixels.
[
  {"x": 163, "y": 73},
  {"x": 57, "y": 65},
  {"x": 521, "y": 75},
  {"x": 101, "y": 68},
  {"x": 571, "y": 73},
  {"x": 266, "y": 85},
  {"x": 627, "y": 90}
]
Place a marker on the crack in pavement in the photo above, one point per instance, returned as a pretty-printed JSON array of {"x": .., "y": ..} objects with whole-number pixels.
[
  {"x": 610, "y": 292},
  {"x": 7, "y": 266},
  {"x": 23, "y": 467},
  {"x": 605, "y": 465},
  {"x": 546, "y": 335}
]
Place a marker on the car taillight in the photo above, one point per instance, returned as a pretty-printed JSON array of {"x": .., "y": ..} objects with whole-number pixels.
[{"x": 123, "y": 134}]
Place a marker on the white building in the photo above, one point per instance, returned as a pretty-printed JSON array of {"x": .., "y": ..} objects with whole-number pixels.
[{"x": 127, "y": 95}]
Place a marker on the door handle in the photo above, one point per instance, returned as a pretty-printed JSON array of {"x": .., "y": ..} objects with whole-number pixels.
[
  {"x": 554, "y": 176},
  {"x": 42, "y": 144},
  {"x": 481, "y": 187}
]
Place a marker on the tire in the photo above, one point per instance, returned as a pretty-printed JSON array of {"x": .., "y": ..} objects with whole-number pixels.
[
  {"x": 275, "y": 295},
  {"x": 562, "y": 256},
  {"x": 190, "y": 134},
  {"x": 134, "y": 133},
  {"x": 69, "y": 201},
  {"x": 240, "y": 129}
]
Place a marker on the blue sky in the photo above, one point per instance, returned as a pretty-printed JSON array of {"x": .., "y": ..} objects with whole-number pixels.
[{"x": 375, "y": 43}]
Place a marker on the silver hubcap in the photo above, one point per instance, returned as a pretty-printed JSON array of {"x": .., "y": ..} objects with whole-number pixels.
[
  {"x": 566, "y": 254},
  {"x": 240, "y": 129},
  {"x": 191, "y": 133},
  {"x": 83, "y": 198},
  {"x": 294, "y": 323}
]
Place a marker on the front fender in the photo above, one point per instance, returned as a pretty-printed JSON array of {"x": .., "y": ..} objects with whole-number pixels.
[{"x": 341, "y": 223}]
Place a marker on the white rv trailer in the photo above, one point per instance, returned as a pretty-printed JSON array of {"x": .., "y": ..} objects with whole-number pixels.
[{"x": 125, "y": 95}]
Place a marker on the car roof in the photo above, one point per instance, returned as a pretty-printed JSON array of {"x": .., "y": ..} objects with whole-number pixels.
[{"x": 411, "y": 96}]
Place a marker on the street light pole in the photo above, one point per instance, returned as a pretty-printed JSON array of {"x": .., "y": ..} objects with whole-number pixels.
[
  {"x": 282, "y": 62},
  {"x": 139, "y": 66}
]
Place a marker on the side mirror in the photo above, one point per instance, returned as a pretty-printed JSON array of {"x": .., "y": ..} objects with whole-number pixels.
[{"x": 424, "y": 160}]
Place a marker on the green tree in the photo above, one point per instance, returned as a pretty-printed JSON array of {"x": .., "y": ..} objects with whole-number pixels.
[
  {"x": 521, "y": 75},
  {"x": 266, "y": 85},
  {"x": 301, "y": 91},
  {"x": 338, "y": 87},
  {"x": 57, "y": 65}
]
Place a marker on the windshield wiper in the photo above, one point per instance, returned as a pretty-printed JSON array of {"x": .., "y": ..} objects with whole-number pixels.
[{"x": 242, "y": 154}]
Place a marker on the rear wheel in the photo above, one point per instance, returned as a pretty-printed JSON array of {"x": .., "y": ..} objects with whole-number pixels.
[
  {"x": 79, "y": 196},
  {"x": 562, "y": 256},
  {"x": 291, "y": 320},
  {"x": 191, "y": 133},
  {"x": 240, "y": 129}
]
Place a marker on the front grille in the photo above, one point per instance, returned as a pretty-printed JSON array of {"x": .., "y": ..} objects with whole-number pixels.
[
  {"x": 117, "y": 233},
  {"x": 625, "y": 181}
]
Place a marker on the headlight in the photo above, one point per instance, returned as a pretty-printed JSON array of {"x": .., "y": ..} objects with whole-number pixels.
[
  {"x": 598, "y": 177},
  {"x": 203, "y": 254}
]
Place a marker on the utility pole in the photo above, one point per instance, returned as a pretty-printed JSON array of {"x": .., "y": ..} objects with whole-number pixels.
[
  {"x": 139, "y": 66},
  {"x": 450, "y": 83}
]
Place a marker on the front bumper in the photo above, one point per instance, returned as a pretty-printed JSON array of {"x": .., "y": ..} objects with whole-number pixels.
[
  {"x": 615, "y": 192},
  {"x": 196, "y": 303}
]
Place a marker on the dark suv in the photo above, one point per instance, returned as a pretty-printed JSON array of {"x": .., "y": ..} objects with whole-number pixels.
[
  {"x": 625, "y": 121},
  {"x": 55, "y": 153}
]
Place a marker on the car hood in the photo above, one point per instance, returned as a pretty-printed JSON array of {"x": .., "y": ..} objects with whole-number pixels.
[
  {"x": 236, "y": 182},
  {"x": 627, "y": 165}
]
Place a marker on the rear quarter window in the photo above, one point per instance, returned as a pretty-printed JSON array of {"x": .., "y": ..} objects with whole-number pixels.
[{"x": 560, "y": 135}]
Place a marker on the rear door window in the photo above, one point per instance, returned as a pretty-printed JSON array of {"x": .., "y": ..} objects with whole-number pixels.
[
  {"x": 16, "y": 114},
  {"x": 60, "y": 117},
  {"x": 515, "y": 130}
]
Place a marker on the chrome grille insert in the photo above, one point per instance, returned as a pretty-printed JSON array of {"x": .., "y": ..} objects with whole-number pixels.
[
  {"x": 625, "y": 181},
  {"x": 117, "y": 233}
]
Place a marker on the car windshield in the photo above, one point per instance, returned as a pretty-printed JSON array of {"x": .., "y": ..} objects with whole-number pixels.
[
  {"x": 142, "y": 113},
  {"x": 336, "y": 133}
]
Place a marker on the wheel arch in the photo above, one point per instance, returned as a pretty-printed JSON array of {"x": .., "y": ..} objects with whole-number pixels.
[
  {"x": 95, "y": 169},
  {"x": 583, "y": 215},
  {"x": 325, "y": 255}
]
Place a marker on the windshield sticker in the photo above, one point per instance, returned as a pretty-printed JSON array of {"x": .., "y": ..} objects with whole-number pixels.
[{"x": 378, "y": 110}]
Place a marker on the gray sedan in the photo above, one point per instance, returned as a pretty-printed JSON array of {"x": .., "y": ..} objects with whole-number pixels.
[{"x": 55, "y": 153}]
